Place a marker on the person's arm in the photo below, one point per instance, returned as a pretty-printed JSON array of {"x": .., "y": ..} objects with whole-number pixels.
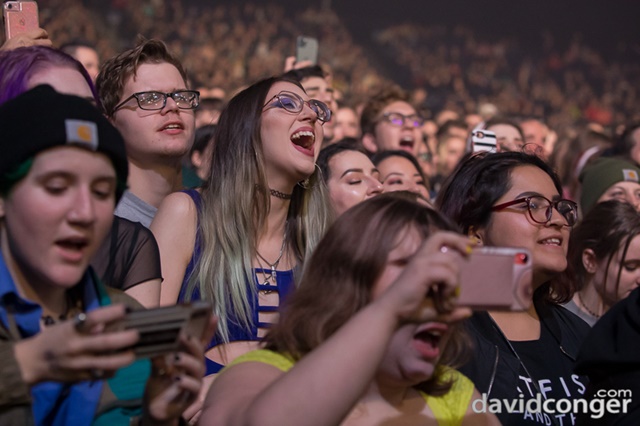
[
  {"x": 323, "y": 386},
  {"x": 174, "y": 227},
  {"x": 147, "y": 293}
]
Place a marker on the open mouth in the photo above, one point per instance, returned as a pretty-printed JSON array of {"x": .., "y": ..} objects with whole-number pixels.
[
  {"x": 427, "y": 340},
  {"x": 304, "y": 139},
  {"x": 73, "y": 244},
  {"x": 554, "y": 241},
  {"x": 173, "y": 126},
  {"x": 407, "y": 143}
]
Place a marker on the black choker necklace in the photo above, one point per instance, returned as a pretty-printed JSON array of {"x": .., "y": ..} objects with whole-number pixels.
[{"x": 279, "y": 194}]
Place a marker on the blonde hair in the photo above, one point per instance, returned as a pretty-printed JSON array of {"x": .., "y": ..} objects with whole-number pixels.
[{"x": 235, "y": 206}]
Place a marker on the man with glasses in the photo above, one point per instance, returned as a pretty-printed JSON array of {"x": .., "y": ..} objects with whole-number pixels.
[
  {"x": 390, "y": 122},
  {"x": 145, "y": 95}
]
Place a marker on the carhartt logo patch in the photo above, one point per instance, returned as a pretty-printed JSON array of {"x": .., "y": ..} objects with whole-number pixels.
[
  {"x": 82, "y": 132},
  {"x": 630, "y": 175}
]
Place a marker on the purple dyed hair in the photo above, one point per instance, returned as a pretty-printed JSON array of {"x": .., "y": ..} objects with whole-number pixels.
[{"x": 17, "y": 66}]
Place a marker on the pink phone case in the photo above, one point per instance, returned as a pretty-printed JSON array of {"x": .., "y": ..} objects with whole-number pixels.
[
  {"x": 496, "y": 278},
  {"x": 20, "y": 17}
]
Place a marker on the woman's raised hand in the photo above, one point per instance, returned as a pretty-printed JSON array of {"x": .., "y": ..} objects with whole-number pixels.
[{"x": 427, "y": 288}]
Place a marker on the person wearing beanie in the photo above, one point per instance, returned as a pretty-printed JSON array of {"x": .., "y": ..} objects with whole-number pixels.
[
  {"x": 609, "y": 178},
  {"x": 62, "y": 169}
]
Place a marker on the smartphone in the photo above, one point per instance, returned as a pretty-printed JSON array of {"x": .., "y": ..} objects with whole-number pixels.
[
  {"x": 160, "y": 328},
  {"x": 19, "y": 17},
  {"x": 496, "y": 278},
  {"x": 306, "y": 49},
  {"x": 483, "y": 140}
]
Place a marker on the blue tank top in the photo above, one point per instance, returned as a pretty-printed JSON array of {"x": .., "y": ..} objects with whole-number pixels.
[{"x": 237, "y": 332}]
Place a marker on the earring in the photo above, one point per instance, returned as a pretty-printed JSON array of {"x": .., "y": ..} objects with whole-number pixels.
[{"x": 305, "y": 183}]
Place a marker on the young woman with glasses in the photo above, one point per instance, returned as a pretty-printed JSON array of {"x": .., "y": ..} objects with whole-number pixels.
[
  {"x": 514, "y": 199},
  {"x": 255, "y": 219}
]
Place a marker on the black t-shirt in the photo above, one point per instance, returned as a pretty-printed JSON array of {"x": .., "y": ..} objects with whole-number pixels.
[
  {"x": 128, "y": 256},
  {"x": 545, "y": 370}
]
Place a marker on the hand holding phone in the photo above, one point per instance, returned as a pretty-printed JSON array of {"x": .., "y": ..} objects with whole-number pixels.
[
  {"x": 20, "y": 17},
  {"x": 496, "y": 278},
  {"x": 160, "y": 328}
]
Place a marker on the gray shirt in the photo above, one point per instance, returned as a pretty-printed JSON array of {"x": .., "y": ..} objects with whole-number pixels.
[
  {"x": 574, "y": 309},
  {"x": 133, "y": 208}
]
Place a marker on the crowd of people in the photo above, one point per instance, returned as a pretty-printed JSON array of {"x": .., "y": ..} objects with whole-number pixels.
[{"x": 327, "y": 239}]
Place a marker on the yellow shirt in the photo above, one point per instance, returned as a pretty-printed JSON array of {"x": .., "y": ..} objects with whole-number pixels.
[{"x": 449, "y": 409}]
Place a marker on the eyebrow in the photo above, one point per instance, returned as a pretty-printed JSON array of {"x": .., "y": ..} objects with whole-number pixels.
[{"x": 536, "y": 194}]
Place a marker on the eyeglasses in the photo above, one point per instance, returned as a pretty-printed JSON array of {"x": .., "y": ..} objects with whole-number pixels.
[
  {"x": 541, "y": 209},
  {"x": 151, "y": 101},
  {"x": 399, "y": 120},
  {"x": 293, "y": 103}
]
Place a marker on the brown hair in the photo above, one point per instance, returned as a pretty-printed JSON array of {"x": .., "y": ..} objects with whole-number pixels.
[
  {"x": 376, "y": 104},
  {"x": 115, "y": 71},
  {"x": 338, "y": 279}
]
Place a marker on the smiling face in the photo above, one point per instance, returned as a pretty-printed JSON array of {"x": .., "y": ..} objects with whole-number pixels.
[
  {"x": 513, "y": 226},
  {"x": 353, "y": 179},
  {"x": 624, "y": 191},
  {"x": 414, "y": 349},
  {"x": 391, "y": 137},
  {"x": 606, "y": 279},
  {"x": 290, "y": 141},
  {"x": 399, "y": 174},
  {"x": 159, "y": 135},
  {"x": 54, "y": 219}
]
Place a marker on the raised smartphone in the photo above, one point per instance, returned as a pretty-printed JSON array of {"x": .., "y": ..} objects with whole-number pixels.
[
  {"x": 496, "y": 278},
  {"x": 306, "y": 49},
  {"x": 19, "y": 17},
  {"x": 483, "y": 140},
  {"x": 160, "y": 328}
]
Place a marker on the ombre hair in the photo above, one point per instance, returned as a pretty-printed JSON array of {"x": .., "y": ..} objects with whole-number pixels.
[
  {"x": 339, "y": 279},
  {"x": 19, "y": 65},
  {"x": 235, "y": 207}
]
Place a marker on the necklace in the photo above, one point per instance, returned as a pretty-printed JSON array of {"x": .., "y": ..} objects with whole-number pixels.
[
  {"x": 282, "y": 196},
  {"x": 271, "y": 276},
  {"x": 71, "y": 309},
  {"x": 586, "y": 308}
]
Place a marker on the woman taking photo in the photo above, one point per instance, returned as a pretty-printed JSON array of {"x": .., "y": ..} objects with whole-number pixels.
[
  {"x": 604, "y": 259},
  {"x": 513, "y": 199},
  {"x": 62, "y": 170},
  {"x": 263, "y": 208},
  {"x": 368, "y": 334}
]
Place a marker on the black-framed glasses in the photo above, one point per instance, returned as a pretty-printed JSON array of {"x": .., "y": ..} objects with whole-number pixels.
[
  {"x": 153, "y": 100},
  {"x": 293, "y": 103},
  {"x": 541, "y": 209},
  {"x": 399, "y": 120}
]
